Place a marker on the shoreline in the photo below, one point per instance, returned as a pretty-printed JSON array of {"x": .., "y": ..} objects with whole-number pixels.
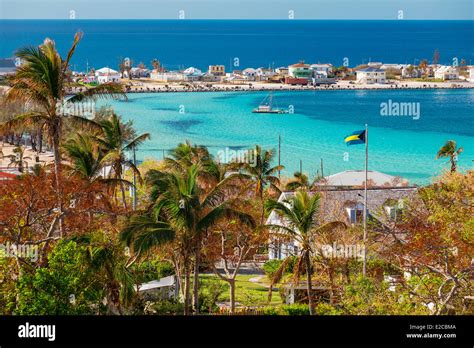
[{"x": 147, "y": 86}]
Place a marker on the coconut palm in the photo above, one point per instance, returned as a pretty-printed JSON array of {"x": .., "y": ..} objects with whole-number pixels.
[
  {"x": 300, "y": 180},
  {"x": 300, "y": 214},
  {"x": 450, "y": 149},
  {"x": 115, "y": 143},
  {"x": 42, "y": 80},
  {"x": 262, "y": 174},
  {"x": 18, "y": 159},
  {"x": 190, "y": 211}
]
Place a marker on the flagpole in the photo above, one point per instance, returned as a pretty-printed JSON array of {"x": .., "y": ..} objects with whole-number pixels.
[{"x": 364, "y": 269}]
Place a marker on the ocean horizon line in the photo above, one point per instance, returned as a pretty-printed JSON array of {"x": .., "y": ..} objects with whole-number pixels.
[{"x": 242, "y": 19}]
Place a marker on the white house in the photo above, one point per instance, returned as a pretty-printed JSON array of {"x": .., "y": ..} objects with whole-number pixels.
[
  {"x": 168, "y": 76},
  {"x": 353, "y": 178},
  {"x": 250, "y": 73},
  {"x": 192, "y": 74},
  {"x": 410, "y": 71},
  {"x": 370, "y": 75},
  {"x": 345, "y": 204},
  {"x": 471, "y": 74},
  {"x": 264, "y": 74},
  {"x": 300, "y": 71},
  {"x": 106, "y": 75},
  {"x": 446, "y": 73},
  {"x": 322, "y": 69},
  {"x": 283, "y": 71}
]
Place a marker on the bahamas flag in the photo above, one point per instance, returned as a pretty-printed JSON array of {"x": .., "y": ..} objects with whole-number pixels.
[{"x": 358, "y": 137}]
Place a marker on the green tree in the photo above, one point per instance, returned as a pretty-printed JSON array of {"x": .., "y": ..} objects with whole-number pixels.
[
  {"x": 115, "y": 143},
  {"x": 450, "y": 149},
  {"x": 300, "y": 211},
  {"x": 43, "y": 80},
  {"x": 64, "y": 287},
  {"x": 262, "y": 174}
]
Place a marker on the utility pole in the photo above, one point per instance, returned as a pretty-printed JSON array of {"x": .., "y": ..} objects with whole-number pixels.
[
  {"x": 364, "y": 267},
  {"x": 279, "y": 155},
  {"x": 134, "y": 202}
]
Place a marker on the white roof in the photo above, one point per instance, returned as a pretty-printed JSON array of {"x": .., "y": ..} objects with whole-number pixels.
[
  {"x": 445, "y": 68},
  {"x": 192, "y": 71},
  {"x": 357, "y": 178},
  {"x": 156, "y": 284},
  {"x": 106, "y": 71}
]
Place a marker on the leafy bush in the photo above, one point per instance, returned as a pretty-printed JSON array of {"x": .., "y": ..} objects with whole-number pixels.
[
  {"x": 48, "y": 290},
  {"x": 294, "y": 309},
  {"x": 209, "y": 292},
  {"x": 271, "y": 266},
  {"x": 327, "y": 309},
  {"x": 164, "y": 307}
]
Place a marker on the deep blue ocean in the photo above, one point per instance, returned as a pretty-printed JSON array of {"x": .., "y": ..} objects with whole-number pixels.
[
  {"x": 398, "y": 145},
  {"x": 199, "y": 43}
]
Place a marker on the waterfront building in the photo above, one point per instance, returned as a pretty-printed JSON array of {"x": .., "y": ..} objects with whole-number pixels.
[
  {"x": 375, "y": 64},
  {"x": 300, "y": 71},
  {"x": 322, "y": 69},
  {"x": 217, "y": 70},
  {"x": 192, "y": 74},
  {"x": 370, "y": 75},
  {"x": 282, "y": 71},
  {"x": 265, "y": 74},
  {"x": 167, "y": 76},
  {"x": 410, "y": 71},
  {"x": 250, "y": 74},
  {"x": 106, "y": 75},
  {"x": 471, "y": 73},
  {"x": 446, "y": 73}
]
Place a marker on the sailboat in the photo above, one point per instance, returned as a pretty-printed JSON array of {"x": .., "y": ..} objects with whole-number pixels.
[{"x": 266, "y": 107}]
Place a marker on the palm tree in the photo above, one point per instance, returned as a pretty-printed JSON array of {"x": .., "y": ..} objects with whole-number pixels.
[
  {"x": 189, "y": 210},
  {"x": 42, "y": 80},
  {"x": 18, "y": 159},
  {"x": 450, "y": 149},
  {"x": 115, "y": 143},
  {"x": 300, "y": 212},
  {"x": 262, "y": 173},
  {"x": 300, "y": 181}
]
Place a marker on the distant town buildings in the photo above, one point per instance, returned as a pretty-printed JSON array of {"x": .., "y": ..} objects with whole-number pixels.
[
  {"x": 371, "y": 75},
  {"x": 106, "y": 75},
  {"x": 446, "y": 73},
  {"x": 216, "y": 70}
]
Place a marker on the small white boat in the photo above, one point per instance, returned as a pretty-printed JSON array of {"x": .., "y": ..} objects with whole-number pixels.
[{"x": 266, "y": 107}]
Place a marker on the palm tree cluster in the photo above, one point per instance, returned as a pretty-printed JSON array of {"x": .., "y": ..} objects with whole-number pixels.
[{"x": 188, "y": 197}]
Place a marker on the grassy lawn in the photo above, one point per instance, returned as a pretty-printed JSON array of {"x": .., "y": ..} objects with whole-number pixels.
[{"x": 247, "y": 293}]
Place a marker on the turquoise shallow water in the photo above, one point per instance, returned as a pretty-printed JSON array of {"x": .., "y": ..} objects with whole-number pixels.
[{"x": 397, "y": 145}]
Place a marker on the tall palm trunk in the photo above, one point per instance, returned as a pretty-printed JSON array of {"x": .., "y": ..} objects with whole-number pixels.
[
  {"x": 187, "y": 277},
  {"x": 55, "y": 132},
  {"x": 309, "y": 287}
]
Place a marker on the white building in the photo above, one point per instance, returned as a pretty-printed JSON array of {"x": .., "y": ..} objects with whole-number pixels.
[
  {"x": 264, "y": 74},
  {"x": 283, "y": 71},
  {"x": 250, "y": 73},
  {"x": 192, "y": 74},
  {"x": 168, "y": 76},
  {"x": 106, "y": 75},
  {"x": 471, "y": 74},
  {"x": 342, "y": 203},
  {"x": 322, "y": 69},
  {"x": 410, "y": 71},
  {"x": 375, "y": 64},
  {"x": 216, "y": 70},
  {"x": 300, "y": 71},
  {"x": 357, "y": 178},
  {"x": 446, "y": 73},
  {"x": 370, "y": 75}
]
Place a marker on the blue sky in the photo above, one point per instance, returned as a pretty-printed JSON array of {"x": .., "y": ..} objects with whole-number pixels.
[{"x": 237, "y": 9}]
